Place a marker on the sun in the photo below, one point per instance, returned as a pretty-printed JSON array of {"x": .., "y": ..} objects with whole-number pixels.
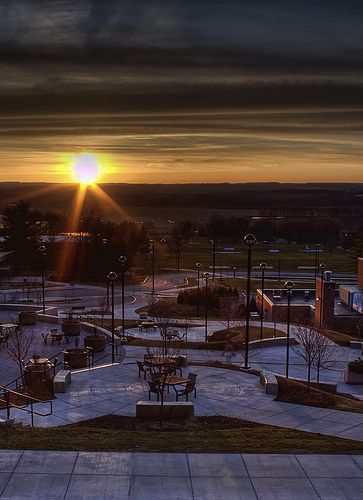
[{"x": 86, "y": 169}]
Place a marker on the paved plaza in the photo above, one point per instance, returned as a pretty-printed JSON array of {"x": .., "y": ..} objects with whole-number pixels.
[{"x": 47, "y": 475}]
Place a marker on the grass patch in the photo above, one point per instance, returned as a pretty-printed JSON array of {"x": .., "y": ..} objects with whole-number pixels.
[
  {"x": 237, "y": 333},
  {"x": 175, "y": 344},
  {"x": 338, "y": 338},
  {"x": 292, "y": 391},
  {"x": 201, "y": 434}
]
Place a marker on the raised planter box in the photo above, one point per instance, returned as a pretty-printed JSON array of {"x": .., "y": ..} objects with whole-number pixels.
[
  {"x": 75, "y": 358},
  {"x": 352, "y": 377},
  {"x": 27, "y": 317},
  {"x": 96, "y": 342},
  {"x": 71, "y": 327},
  {"x": 150, "y": 410}
]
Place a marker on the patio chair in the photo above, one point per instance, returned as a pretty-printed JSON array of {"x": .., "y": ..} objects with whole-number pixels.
[
  {"x": 177, "y": 366},
  {"x": 154, "y": 387},
  {"x": 185, "y": 391},
  {"x": 45, "y": 337},
  {"x": 192, "y": 377},
  {"x": 142, "y": 369}
]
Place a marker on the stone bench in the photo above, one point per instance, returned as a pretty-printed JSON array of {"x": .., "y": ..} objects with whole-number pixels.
[
  {"x": 61, "y": 381},
  {"x": 150, "y": 410},
  {"x": 269, "y": 382},
  {"x": 355, "y": 344}
]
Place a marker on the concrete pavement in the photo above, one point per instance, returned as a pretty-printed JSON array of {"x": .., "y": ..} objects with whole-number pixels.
[{"x": 47, "y": 475}]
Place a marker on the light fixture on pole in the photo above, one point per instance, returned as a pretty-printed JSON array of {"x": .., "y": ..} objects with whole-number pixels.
[
  {"x": 122, "y": 260},
  {"x": 322, "y": 268},
  {"x": 213, "y": 243},
  {"x": 249, "y": 241},
  {"x": 43, "y": 253},
  {"x": 234, "y": 272},
  {"x": 152, "y": 242},
  {"x": 206, "y": 276},
  {"x": 104, "y": 242},
  {"x": 198, "y": 265},
  {"x": 289, "y": 285},
  {"x": 111, "y": 278},
  {"x": 263, "y": 267}
]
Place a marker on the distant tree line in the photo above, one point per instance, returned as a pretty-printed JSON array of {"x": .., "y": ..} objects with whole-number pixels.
[{"x": 93, "y": 251}]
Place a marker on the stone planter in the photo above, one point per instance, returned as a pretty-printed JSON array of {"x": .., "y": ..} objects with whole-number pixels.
[
  {"x": 27, "y": 318},
  {"x": 352, "y": 377},
  {"x": 35, "y": 373},
  {"x": 75, "y": 358},
  {"x": 96, "y": 342},
  {"x": 71, "y": 327}
]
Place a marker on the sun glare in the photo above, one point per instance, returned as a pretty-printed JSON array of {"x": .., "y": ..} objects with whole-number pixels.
[{"x": 86, "y": 169}]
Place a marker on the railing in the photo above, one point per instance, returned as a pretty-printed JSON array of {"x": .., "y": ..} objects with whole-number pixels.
[
  {"x": 19, "y": 381},
  {"x": 6, "y": 396}
]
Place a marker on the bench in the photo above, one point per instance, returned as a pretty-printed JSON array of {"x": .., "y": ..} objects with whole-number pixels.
[
  {"x": 150, "y": 410},
  {"x": 61, "y": 380},
  {"x": 269, "y": 382},
  {"x": 355, "y": 344}
]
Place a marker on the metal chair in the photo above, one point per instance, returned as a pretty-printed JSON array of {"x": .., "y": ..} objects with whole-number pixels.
[
  {"x": 154, "y": 387},
  {"x": 142, "y": 369},
  {"x": 185, "y": 391}
]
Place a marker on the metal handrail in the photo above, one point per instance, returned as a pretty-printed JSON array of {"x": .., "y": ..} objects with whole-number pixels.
[
  {"x": 105, "y": 355},
  {"x": 22, "y": 376},
  {"x": 30, "y": 400}
]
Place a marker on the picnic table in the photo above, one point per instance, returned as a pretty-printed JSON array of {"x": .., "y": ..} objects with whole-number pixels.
[{"x": 146, "y": 325}]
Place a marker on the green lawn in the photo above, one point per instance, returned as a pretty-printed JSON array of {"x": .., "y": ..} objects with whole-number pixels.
[{"x": 201, "y": 435}]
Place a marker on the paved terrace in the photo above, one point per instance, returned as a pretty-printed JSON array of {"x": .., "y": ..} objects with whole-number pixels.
[
  {"x": 160, "y": 476},
  {"x": 117, "y": 388}
]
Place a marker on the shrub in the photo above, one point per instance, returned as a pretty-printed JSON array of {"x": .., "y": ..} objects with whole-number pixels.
[{"x": 356, "y": 365}]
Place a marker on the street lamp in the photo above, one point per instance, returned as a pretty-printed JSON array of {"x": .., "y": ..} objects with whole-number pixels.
[
  {"x": 206, "y": 277},
  {"x": 122, "y": 260},
  {"x": 43, "y": 253},
  {"x": 316, "y": 263},
  {"x": 198, "y": 265},
  {"x": 234, "y": 272},
  {"x": 249, "y": 241},
  {"x": 213, "y": 243},
  {"x": 263, "y": 267},
  {"x": 104, "y": 243},
  {"x": 111, "y": 278},
  {"x": 322, "y": 268},
  {"x": 153, "y": 265},
  {"x": 289, "y": 285}
]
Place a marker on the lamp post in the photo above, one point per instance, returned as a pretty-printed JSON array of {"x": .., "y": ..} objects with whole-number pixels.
[
  {"x": 122, "y": 260},
  {"x": 206, "y": 277},
  {"x": 234, "y": 272},
  {"x": 152, "y": 242},
  {"x": 43, "y": 253},
  {"x": 316, "y": 263},
  {"x": 322, "y": 268},
  {"x": 263, "y": 267},
  {"x": 289, "y": 285},
  {"x": 198, "y": 265},
  {"x": 213, "y": 243},
  {"x": 249, "y": 241},
  {"x": 104, "y": 243},
  {"x": 111, "y": 278}
]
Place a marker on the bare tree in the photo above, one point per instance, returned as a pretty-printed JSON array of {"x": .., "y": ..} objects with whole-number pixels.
[
  {"x": 102, "y": 306},
  {"x": 305, "y": 335},
  {"x": 165, "y": 353},
  {"x": 228, "y": 310},
  {"x": 17, "y": 347},
  {"x": 324, "y": 349}
]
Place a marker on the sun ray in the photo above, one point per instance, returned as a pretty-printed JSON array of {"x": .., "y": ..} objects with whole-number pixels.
[
  {"x": 68, "y": 250},
  {"x": 106, "y": 198}
]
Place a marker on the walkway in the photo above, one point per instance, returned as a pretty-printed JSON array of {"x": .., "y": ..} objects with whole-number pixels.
[{"x": 42, "y": 475}]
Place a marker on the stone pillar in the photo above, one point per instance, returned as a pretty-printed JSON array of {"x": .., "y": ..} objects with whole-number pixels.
[
  {"x": 324, "y": 302},
  {"x": 360, "y": 272}
]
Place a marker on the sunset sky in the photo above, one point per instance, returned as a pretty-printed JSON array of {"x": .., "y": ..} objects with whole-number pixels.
[{"x": 177, "y": 91}]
